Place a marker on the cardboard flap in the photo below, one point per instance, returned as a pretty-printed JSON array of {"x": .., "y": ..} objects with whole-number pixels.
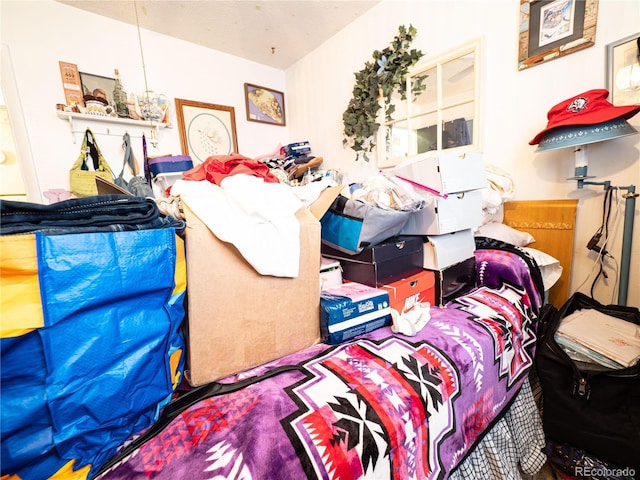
[
  {"x": 108, "y": 188},
  {"x": 324, "y": 201}
]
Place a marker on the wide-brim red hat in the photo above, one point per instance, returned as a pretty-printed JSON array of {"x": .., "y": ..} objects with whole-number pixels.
[{"x": 588, "y": 108}]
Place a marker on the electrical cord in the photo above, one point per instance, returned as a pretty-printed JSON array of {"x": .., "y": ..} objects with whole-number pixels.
[
  {"x": 599, "y": 261},
  {"x": 604, "y": 229}
]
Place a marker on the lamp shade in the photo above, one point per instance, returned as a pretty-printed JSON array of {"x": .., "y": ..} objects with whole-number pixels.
[{"x": 574, "y": 135}]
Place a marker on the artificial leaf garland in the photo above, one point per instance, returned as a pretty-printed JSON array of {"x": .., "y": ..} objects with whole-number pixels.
[{"x": 376, "y": 83}]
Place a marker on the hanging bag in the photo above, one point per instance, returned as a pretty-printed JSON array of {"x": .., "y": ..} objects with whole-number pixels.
[
  {"x": 137, "y": 185},
  {"x": 89, "y": 165},
  {"x": 585, "y": 405}
]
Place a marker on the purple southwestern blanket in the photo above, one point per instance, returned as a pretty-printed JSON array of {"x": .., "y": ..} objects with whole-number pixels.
[{"x": 382, "y": 406}]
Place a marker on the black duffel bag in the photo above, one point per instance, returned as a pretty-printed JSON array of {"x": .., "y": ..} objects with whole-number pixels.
[{"x": 590, "y": 407}]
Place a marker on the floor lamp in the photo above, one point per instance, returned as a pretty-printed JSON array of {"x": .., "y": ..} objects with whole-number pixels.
[{"x": 579, "y": 137}]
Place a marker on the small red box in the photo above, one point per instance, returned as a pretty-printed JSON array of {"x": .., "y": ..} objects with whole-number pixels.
[{"x": 406, "y": 292}]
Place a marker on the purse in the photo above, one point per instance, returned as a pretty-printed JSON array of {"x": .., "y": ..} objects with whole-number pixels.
[
  {"x": 137, "y": 185},
  {"x": 586, "y": 405},
  {"x": 82, "y": 179}
]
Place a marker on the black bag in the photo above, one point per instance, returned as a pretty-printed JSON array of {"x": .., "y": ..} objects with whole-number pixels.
[{"x": 591, "y": 407}]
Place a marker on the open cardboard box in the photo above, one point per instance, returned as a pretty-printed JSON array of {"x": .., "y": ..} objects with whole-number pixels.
[{"x": 238, "y": 319}]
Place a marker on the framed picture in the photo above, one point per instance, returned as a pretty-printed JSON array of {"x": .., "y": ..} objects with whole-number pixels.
[
  {"x": 97, "y": 86},
  {"x": 206, "y": 129},
  {"x": 550, "y": 29},
  {"x": 264, "y": 105},
  {"x": 623, "y": 71}
]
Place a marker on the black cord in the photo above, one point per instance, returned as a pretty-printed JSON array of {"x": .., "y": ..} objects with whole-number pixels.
[{"x": 604, "y": 229}]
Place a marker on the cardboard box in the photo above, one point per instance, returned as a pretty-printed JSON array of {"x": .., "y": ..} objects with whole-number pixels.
[
  {"x": 444, "y": 172},
  {"x": 352, "y": 309},
  {"x": 238, "y": 319},
  {"x": 455, "y": 280},
  {"x": 380, "y": 264},
  {"x": 407, "y": 292},
  {"x": 457, "y": 212},
  {"x": 441, "y": 251}
]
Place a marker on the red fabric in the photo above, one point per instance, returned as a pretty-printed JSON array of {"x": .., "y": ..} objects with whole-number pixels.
[
  {"x": 218, "y": 167},
  {"x": 588, "y": 108}
]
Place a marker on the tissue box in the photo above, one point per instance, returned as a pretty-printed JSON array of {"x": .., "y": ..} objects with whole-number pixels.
[
  {"x": 441, "y": 251},
  {"x": 444, "y": 172},
  {"x": 352, "y": 309},
  {"x": 405, "y": 293},
  {"x": 380, "y": 264}
]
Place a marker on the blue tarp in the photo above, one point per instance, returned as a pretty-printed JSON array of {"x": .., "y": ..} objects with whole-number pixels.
[{"x": 100, "y": 368}]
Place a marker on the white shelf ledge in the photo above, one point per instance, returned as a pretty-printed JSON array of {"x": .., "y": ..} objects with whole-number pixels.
[{"x": 75, "y": 119}]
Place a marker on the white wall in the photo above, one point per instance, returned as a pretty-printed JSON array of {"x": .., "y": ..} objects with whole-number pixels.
[
  {"x": 515, "y": 104},
  {"x": 317, "y": 89},
  {"x": 39, "y": 34}
]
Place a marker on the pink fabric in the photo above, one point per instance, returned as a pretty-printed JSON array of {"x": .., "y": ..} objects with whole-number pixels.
[{"x": 217, "y": 168}]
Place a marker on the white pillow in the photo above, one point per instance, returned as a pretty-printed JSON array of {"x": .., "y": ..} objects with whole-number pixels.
[
  {"x": 503, "y": 232},
  {"x": 550, "y": 267}
]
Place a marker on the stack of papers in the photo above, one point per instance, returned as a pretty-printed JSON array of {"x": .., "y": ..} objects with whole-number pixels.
[{"x": 590, "y": 335}]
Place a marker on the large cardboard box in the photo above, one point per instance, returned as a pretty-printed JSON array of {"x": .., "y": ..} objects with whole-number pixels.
[
  {"x": 238, "y": 319},
  {"x": 444, "y": 172},
  {"x": 457, "y": 212}
]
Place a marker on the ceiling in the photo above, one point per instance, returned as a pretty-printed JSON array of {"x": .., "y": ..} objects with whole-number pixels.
[{"x": 271, "y": 32}]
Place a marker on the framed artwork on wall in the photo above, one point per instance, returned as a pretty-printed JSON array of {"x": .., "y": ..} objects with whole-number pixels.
[
  {"x": 206, "y": 129},
  {"x": 97, "y": 86},
  {"x": 550, "y": 29},
  {"x": 623, "y": 71},
  {"x": 264, "y": 105}
]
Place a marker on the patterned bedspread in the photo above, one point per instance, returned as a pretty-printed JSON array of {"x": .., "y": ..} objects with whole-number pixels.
[{"x": 381, "y": 406}]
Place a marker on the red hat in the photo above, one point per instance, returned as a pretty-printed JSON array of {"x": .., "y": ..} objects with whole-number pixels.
[{"x": 588, "y": 108}]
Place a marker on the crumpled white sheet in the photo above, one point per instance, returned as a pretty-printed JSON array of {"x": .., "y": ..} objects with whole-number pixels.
[
  {"x": 500, "y": 188},
  {"x": 257, "y": 217}
]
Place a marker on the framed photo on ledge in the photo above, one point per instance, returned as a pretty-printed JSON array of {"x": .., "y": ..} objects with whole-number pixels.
[
  {"x": 550, "y": 29},
  {"x": 98, "y": 86},
  {"x": 623, "y": 71},
  {"x": 264, "y": 105},
  {"x": 206, "y": 129}
]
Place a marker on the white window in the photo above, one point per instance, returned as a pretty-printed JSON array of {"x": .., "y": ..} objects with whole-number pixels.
[{"x": 441, "y": 111}]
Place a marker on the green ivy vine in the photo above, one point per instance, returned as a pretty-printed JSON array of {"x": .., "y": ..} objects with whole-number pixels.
[{"x": 374, "y": 86}]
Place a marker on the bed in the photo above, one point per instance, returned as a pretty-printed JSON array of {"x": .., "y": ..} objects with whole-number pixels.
[{"x": 454, "y": 401}]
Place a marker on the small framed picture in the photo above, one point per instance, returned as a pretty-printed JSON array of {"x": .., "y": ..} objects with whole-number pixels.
[
  {"x": 550, "y": 29},
  {"x": 98, "y": 86},
  {"x": 206, "y": 129},
  {"x": 623, "y": 71},
  {"x": 264, "y": 105}
]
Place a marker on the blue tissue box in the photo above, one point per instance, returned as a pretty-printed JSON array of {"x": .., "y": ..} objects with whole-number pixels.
[{"x": 352, "y": 309}]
